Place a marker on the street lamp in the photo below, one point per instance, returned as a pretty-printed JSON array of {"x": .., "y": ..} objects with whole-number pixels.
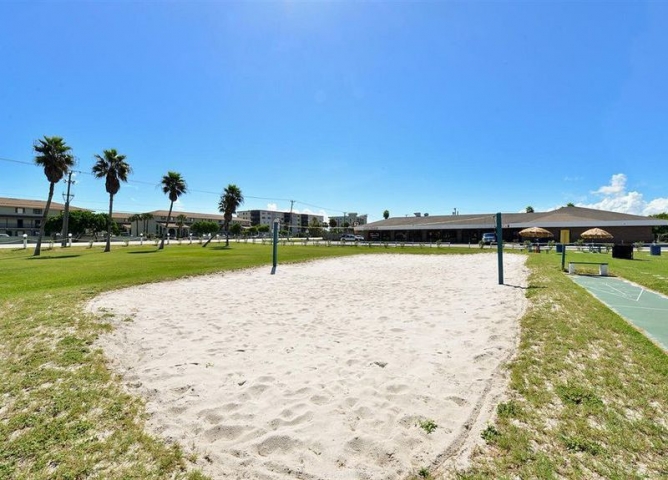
[
  {"x": 25, "y": 241},
  {"x": 141, "y": 239}
]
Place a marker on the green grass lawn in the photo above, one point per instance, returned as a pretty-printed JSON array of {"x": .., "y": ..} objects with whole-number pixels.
[{"x": 589, "y": 394}]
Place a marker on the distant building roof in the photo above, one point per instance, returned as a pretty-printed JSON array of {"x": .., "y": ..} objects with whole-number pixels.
[
  {"x": 562, "y": 217},
  {"x": 22, "y": 203}
]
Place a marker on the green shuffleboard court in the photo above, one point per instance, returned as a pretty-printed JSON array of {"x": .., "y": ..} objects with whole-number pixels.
[{"x": 645, "y": 309}]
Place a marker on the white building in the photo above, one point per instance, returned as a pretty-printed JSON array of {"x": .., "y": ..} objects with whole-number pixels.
[
  {"x": 292, "y": 222},
  {"x": 352, "y": 219}
]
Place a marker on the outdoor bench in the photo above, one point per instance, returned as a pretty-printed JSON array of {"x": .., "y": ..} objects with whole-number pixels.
[{"x": 602, "y": 267}]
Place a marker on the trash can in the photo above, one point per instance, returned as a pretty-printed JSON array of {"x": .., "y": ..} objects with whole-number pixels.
[
  {"x": 655, "y": 249},
  {"x": 622, "y": 251},
  {"x": 560, "y": 247},
  {"x": 536, "y": 248}
]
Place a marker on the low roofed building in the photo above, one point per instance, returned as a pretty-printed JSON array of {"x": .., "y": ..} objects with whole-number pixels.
[{"x": 566, "y": 224}]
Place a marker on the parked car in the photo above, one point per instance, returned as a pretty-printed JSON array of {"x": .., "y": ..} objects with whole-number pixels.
[
  {"x": 4, "y": 235},
  {"x": 359, "y": 238},
  {"x": 348, "y": 237},
  {"x": 488, "y": 238}
]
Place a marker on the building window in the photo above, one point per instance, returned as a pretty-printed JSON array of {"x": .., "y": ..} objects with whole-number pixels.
[
  {"x": 20, "y": 210},
  {"x": 37, "y": 211}
]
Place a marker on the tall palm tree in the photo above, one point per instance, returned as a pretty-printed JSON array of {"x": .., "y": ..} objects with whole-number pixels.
[
  {"x": 52, "y": 154},
  {"x": 145, "y": 218},
  {"x": 229, "y": 201},
  {"x": 135, "y": 218},
  {"x": 174, "y": 186},
  {"x": 113, "y": 167},
  {"x": 180, "y": 221}
]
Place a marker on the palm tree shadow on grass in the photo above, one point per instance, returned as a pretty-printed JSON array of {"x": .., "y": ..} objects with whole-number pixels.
[
  {"x": 141, "y": 252},
  {"x": 221, "y": 247},
  {"x": 53, "y": 258}
]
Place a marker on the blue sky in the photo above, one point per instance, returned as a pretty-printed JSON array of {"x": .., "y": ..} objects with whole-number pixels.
[{"x": 344, "y": 106}]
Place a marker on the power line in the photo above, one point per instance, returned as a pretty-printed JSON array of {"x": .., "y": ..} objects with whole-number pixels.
[
  {"x": 15, "y": 161},
  {"x": 141, "y": 182}
]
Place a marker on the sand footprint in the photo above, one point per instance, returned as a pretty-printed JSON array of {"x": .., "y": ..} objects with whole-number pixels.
[
  {"x": 459, "y": 401},
  {"x": 224, "y": 432},
  {"x": 278, "y": 444},
  {"x": 397, "y": 388}
]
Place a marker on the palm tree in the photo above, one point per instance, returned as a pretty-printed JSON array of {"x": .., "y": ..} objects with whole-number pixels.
[
  {"x": 529, "y": 209},
  {"x": 174, "y": 186},
  {"x": 53, "y": 155},
  {"x": 229, "y": 201},
  {"x": 145, "y": 218},
  {"x": 180, "y": 221},
  {"x": 113, "y": 167},
  {"x": 135, "y": 218},
  {"x": 386, "y": 214},
  {"x": 228, "y": 204}
]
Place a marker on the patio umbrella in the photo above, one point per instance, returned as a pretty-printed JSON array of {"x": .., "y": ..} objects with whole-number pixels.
[
  {"x": 536, "y": 232},
  {"x": 596, "y": 233}
]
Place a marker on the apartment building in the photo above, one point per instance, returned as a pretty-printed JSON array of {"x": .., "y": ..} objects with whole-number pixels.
[
  {"x": 19, "y": 216},
  {"x": 155, "y": 222},
  {"x": 352, "y": 219},
  {"x": 292, "y": 222}
]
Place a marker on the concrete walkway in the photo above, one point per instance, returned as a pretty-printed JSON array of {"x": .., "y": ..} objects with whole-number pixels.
[{"x": 645, "y": 309}]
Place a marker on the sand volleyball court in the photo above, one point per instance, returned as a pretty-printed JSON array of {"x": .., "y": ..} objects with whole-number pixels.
[{"x": 332, "y": 369}]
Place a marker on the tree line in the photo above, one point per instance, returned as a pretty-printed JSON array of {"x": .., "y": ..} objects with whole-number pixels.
[{"x": 55, "y": 157}]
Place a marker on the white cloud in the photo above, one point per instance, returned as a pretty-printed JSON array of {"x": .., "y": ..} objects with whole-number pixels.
[
  {"x": 658, "y": 205},
  {"x": 615, "y": 198},
  {"x": 617, "y": 186},
  {"x": 179, "y": 206},
  {"x": 272, "y": 207}
]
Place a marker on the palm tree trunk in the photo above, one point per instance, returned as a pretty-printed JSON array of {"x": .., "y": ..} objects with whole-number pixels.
[
  {"x": 227, "y": 234},
  {"x": 164, "y": 232},
  {"x": 208, "y": 241},
  {"x": 45, "y": 213},
  {"x": 107, "y": 247}
]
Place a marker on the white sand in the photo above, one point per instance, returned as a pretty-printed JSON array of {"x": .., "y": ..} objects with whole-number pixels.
[{"x": 325, "y": 369}]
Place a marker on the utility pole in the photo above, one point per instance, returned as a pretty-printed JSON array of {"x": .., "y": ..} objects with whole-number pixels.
[{"x": 66, "y": 216}]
